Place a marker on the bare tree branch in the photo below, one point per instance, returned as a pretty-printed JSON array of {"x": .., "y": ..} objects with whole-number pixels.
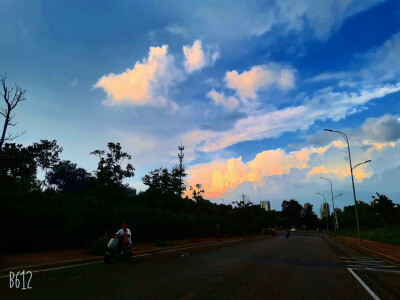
[{"x": 11, "y": 103}]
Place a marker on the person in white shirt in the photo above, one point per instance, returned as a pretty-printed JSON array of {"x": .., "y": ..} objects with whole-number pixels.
[{"x": 126, "y": 233}]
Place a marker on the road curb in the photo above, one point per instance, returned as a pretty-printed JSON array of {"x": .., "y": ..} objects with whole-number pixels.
[
  {"x": 99, "y": 258},
  {"x": 366, "y": 250}
]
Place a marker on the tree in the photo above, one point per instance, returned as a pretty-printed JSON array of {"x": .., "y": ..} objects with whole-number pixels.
[
  {"x": 17, "y": 164},
  {"x": 67, "y": 178},
  {"x": 177, "y": 180},
  {"x": 198, "y": 192},
  {"x": 310, "y": 219},
  {"x": 383, "y": 206},
  {"x": 11, "y": 99},
  {"x": 46, "y": 154},
  {"x": 293, "y": 211},
  {"x": 110, "y": 172},
  {"x": 165, "y": 182},
  {"x": 244, "y": 201}
]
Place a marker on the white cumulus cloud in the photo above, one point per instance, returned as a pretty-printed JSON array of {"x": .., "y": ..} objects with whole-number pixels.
[
  {"x": 196, "y": 58},
  {"x": 147, "y": 83},
  {"x": 260, "y": 77},
  {"x": 220, "y": 99}
]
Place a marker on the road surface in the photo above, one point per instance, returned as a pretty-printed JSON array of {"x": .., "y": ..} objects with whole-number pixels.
[{"x": 305, "y": 266}]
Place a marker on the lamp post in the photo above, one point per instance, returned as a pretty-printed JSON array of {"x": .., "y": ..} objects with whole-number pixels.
[
  {"x": 352, "y": 178},
  {"x": 337, "y": 226},
  {"x": 367, "y": 161},
  {"x": 333, "y": 204},
  {"x": 326, "y": 217}
]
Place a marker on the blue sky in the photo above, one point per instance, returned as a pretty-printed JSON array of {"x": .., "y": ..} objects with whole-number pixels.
[{"x": 247, "y": 87}]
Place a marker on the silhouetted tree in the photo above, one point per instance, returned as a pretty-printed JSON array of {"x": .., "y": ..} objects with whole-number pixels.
[
  {"x": 197, "y": 192},
  {"x": 17, "y": 165},
  {"x": 11, "y": 100},
  {"x": 383, "y": 206},
  {"x": 293, "y": 211},
  {"x": 309, "y": 218},
  {"x": 110, "y": 172},
  {"x": 46, "y": 154},
  {"x": 177, "y": 180},
  {"x": 67, "y": 178},
  {"x": 244, "y": 201}
]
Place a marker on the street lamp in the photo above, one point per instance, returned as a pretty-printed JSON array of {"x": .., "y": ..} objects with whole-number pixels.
[
  {"x": 337, "y": 227},
  {"x": 352, "y": 178},
  {"x": 367, "y": 161},
  {"x": 326, "y": 217},
  {"x": 334, "y": 212}
]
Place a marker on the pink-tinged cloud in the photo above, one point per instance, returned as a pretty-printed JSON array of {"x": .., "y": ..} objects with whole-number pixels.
[
  {"x": 219, "y": 176},
  {"x": 196, "y": 58},
  {"x": 259, "y": 78},
  {"x": 318, "y": 170},
  {"x": 379, "y": 146},
  {"x": 147, "y": 83},
  {"x": 220, "y": 99}
]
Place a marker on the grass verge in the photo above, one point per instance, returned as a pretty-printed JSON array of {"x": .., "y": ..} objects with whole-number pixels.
[{"x": 388, "y": 235}]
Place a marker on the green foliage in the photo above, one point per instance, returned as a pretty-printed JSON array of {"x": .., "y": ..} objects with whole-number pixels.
[
  {"x": 77, "y": 208},
  {"x": 67, "y": 178},
  {"x": 383, "y": 206},
  {"x": 165, "y": 183},
  {"x": 45, "y": 153},
  {"x": 292, "y": 211},
  {"x": 110, "y": 172}
]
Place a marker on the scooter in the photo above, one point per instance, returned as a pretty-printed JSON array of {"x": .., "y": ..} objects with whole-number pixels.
[{"x": 115, "y": 250}]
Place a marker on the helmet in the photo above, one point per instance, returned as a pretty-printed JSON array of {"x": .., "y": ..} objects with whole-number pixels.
[{"x": 124, "y": 225}]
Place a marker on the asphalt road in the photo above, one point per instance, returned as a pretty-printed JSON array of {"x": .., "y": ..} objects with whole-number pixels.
[{"x": 305, "y": 266}]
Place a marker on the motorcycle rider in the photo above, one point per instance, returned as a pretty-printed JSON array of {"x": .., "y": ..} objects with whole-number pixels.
[
  {"x": 126, "y": 233},
  {"x": 287, "y": 233}
]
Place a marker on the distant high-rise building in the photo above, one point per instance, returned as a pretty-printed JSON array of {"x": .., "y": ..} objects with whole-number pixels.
[
  {"x": 307, "y": 206},
  {"x": 325, "y": 209},
  {"x": 266, "y": 205},
  {"x": 131, "y": 191}
]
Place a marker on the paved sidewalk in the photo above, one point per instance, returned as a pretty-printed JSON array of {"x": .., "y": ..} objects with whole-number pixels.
[
  {"x": 383, "y": 250},
  {"x": 57, "y": 257}
]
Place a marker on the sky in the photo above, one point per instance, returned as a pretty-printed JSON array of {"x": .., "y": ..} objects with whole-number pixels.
[{"x": 247, "y": 87}]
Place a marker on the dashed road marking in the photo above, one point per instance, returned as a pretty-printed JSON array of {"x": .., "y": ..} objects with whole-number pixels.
[
  {"x": 166, "y": 251},
  {"x": 146, "y": 254}
]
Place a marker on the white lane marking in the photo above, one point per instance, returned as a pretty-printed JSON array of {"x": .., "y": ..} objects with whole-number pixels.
[
  {"x": 360, "y": 257},
  {"x": 65, "y": 267},
  {"x": 59, "y": 268},
  {"x": 376, "y": 270},
  {"x": 198, "y": 246},
  {"x": 364, "y": 285},
  {"x": 146, "y": 254},
  {"x": 368, "y": 266}
]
